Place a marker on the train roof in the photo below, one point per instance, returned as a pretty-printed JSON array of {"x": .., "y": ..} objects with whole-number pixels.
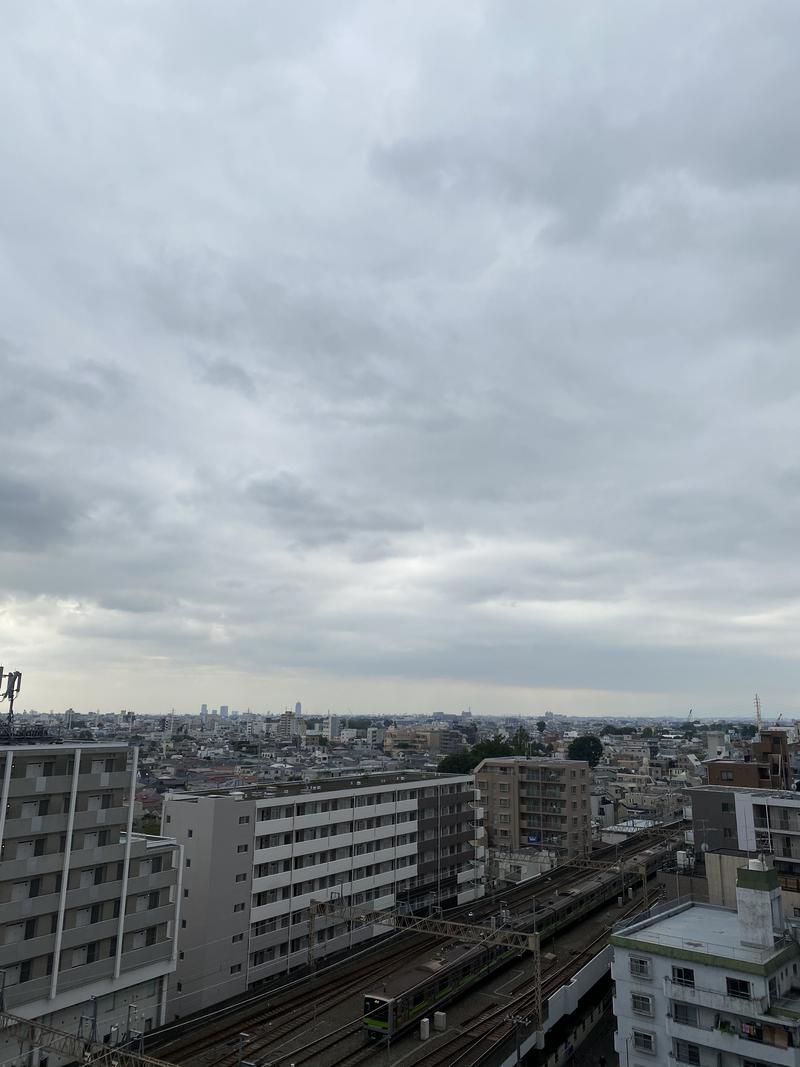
[{"x": 408, "y": 977}]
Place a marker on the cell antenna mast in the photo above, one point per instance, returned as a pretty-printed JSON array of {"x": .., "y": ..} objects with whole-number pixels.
[
  {"x": 10, "y": 685},
  {"x": 757, "y": 703}
]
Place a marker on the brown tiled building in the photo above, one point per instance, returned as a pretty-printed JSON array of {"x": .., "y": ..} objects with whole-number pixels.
[{"x": 536, "y": 801}]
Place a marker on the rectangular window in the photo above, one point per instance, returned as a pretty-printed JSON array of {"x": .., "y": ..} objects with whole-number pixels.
[
  {"x": 243, "y": 819},
  {"x": 737, "y": 987},
  {"x": 242, "y": 848},
  {"x": 686, "y": 1052},
  {"x": 238, "y": 907},
  {"x": 237, "y": 938},
  {"x": 639, "y": 968},
  {"x": 25, "y": 971},
  {"x": 641, "y": 1004},
  {"x": 685, "y": 1014},
  {"x": 644, "y": 1042},
  {"x": 241, "y": 877},
  {"x": 236, "y": 968},
  {"x": 683, "y": 976}
]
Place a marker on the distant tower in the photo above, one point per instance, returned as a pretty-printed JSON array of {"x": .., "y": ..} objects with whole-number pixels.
[{"x": 298, "y": 709}]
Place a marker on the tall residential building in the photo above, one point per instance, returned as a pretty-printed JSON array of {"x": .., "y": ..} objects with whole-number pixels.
[
  {"x": 289, "y": 726},
  {"x": 536, "y": 801},
  {"x": 710, "y": 986},
  {"x": 89, "y": 908},
  {"x": 255, "y": 860}
]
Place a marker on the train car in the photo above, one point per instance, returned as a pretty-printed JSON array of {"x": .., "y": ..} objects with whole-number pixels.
[{"x": 416, "y": 991}]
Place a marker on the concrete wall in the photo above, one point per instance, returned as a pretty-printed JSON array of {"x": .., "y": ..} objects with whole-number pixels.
[{"x": 214, "y": 936}]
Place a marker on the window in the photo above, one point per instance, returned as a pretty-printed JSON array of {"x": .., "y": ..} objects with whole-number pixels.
[
  {"x": 188, "y": 862},
  {"x": 644, "y": 1042},
  {"x": 685, "y": 1014},
  {"x": 686, "y": 1052},
  {"x": 30, "y": 929},
  {"x": 25, "y": 971},
  {"x": 241, "y": 877},
  {"x": 737, "y": 987},
  {"x": 727, "y": 833},
  {"x": 236, "y": 968},
  {"x": 237, "y": 938},
  {"x": 639, "y": 968},
  {"x": 641, "y": 1004},
  {"x": 186, "y": 892},
  {"x": 189, "y": 833},
  {"x": 183, "y": 924},
  {"x": 243, "y": 819},
  {"x": 683, "y": 976},
  {"x": 242, "y": 848},
  {"x": 727, "y": 806},
  {"x": 238, "y": 907}
]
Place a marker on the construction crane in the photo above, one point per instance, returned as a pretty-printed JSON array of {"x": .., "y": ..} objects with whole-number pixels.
[{"x": 71, "y": 1046}]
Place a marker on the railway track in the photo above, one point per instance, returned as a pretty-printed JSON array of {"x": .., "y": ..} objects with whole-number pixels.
[
  {"x": 477, "y": 1041},
  {"x": 270, "y": 1017},
  {"x": 275, "y": 1019}
]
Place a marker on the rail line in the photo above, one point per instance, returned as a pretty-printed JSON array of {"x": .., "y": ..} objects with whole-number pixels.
[{"x": 270, "y": 1016}]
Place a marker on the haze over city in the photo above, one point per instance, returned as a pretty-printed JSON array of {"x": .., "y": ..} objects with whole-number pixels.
[{"x": 400, "y": 358}]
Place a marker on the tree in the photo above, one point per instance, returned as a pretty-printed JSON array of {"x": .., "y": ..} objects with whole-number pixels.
[
  {"x": 460, "y": 763},
  {"x": 647, "y": 732},
  {"x": 541, "y": 726},
  {"x": 587, "y": 747}
]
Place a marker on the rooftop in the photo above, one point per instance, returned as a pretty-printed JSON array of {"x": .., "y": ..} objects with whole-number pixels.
[
  {"x": 323, "y": 785},
  {"x": 699, "y": 929},
  {"x": 746, "y": 790}
]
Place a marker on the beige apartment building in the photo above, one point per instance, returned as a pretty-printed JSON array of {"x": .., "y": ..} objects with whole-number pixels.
[{"x": 535, "y": 801}]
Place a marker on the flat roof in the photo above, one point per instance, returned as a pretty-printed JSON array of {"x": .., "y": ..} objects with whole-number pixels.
[
  {"x": 54, "y": 745},
  {"x": 702, "y": 929},
  {"x": 783, "y": 794},
  {"x": 330, "y": 785}
]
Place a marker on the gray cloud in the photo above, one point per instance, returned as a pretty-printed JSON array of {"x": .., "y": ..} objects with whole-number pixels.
[{"x": 436, "y": 353}]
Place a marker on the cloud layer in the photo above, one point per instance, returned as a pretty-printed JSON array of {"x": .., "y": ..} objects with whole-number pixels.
[{"x": 400, "y": 356}]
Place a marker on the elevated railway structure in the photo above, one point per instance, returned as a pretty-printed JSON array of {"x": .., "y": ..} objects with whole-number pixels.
[{"x": 273, "y": 1019}]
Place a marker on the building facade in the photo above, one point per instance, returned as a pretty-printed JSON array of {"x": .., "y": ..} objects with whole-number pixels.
[
  {"x": 751, "y": 820},
  {"x": 710, "y": 986},
  {"x": 536, "y": 801},
  {"x": 255, "y": 860},
  {"x": 88, "y": 908}
]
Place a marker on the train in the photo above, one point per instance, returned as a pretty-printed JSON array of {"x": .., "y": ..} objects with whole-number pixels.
[{"x": 416, "y": 992}]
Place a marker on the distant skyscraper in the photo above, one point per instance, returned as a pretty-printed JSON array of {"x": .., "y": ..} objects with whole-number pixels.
[
  {"x": 223, "y": 711},
  {"x": 203, "y": 711}
]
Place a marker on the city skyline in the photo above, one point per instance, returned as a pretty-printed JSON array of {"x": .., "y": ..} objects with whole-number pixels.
[{"x": 404, "y": 358}]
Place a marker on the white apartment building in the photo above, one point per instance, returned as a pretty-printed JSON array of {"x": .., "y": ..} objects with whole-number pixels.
[
  {"x": 255, "y": 860},
  {"x": 709, "y": 986},
  {"x": 87, "y": 908}
]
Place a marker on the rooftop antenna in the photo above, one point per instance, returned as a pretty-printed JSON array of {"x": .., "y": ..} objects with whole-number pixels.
[{"x": 13, "y": 684}]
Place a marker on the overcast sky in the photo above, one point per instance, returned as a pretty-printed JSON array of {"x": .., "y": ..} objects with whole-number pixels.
[{"x": 400, "y": 356}]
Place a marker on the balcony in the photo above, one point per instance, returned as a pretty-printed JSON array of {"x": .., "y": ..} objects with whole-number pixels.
[
  {"x": 714, "y": 1040},
  {"x": 711, "y": 998}
]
